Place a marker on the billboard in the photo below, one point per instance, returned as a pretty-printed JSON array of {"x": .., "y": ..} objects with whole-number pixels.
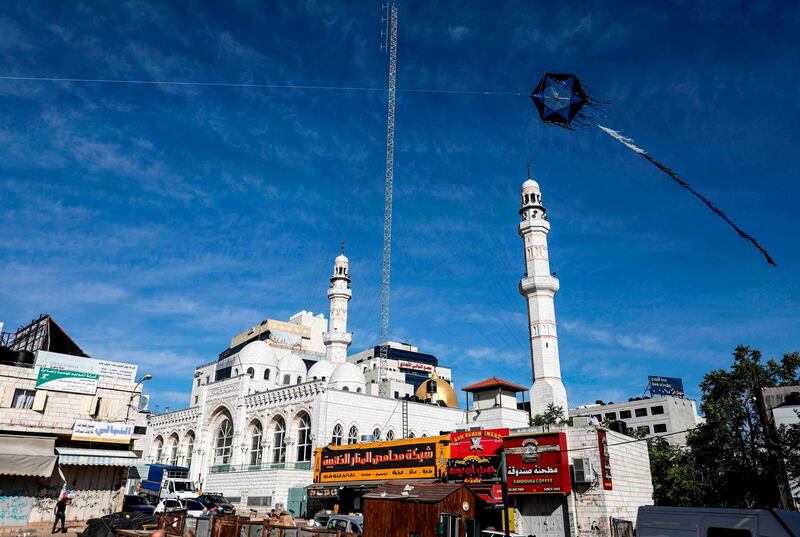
[
  {"x": 669, "y": 386},
  {"x": 399, "y": 459},
  {"x": 537, "y": 464},
  {"x": 102, "y": 431},
  {"x": 103, "y": 368},
  {"x": 605, "y": 459},
  {"x": 63, "y": 380},
  {"x": 475, "y": 455}
]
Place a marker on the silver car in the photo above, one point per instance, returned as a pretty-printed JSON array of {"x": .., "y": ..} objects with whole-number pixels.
[{"x": 348, "y": 523}]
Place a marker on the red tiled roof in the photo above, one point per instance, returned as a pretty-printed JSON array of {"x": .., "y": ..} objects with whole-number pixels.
[{"x": 493, "y": 382}]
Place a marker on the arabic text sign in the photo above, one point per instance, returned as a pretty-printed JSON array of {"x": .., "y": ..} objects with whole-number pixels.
[
  {"x": 416, "y": 366},
  {"x": 406, "y": 459},
  {"x": 475, "y": 455},
  {"x": 63, "y": 380},
  {"x": 605, "y": 459},
  {"x": 102, "y": 431},
  {"x": 666, "y": 386},
  {"x": 537, "y": 464},
  {"x": 103, "y": 368}
]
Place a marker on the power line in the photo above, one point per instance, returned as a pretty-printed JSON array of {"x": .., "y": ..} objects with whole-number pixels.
[{"x": 249, "y": 85}]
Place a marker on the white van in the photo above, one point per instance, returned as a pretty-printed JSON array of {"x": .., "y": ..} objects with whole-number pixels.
[{"x": 656, "y": 521}]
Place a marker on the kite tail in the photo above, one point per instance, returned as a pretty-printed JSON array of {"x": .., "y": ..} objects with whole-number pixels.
[{"x": 628, "y": 142}]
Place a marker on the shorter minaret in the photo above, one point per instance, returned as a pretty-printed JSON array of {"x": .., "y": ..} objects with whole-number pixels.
[
  {"x": 539, "y": 288},
  {"x": 337, "y": 339}
]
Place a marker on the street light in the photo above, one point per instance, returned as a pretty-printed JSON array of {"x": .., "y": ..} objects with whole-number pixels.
[{"x": 145, "y": 378}]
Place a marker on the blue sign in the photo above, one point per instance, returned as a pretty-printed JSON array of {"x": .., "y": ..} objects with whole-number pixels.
[{"x": 670, "y": 386}]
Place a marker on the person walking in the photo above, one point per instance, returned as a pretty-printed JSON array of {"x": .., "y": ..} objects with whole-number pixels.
[{"x": 60, "y": 511}]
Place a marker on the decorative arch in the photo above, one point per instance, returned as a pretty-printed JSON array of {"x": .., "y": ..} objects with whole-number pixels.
[
  {"x": 302, "y": 423},
  {"x": 267, "y": 374},
  {"x": 278, "y": 435},
  {"x": 188, "y": 447},
  {"x": 221, "y": 425},
  {"x": 158, "y": 447},
  {"x": 255, "y": 439},
  {"x": 251, "y": 372},
  {"x": 390, "y": 434},
  {"x": 376, "y": 433},
  {"x": 172, "y": 450},
  {"x": 352, "y": 435}
]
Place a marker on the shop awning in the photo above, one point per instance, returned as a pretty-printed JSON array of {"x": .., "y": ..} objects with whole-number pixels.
[
  {"x": 95, "y": 457},
  {"x": 27, "y": 455},
  {"x": 368, "y": 484}
]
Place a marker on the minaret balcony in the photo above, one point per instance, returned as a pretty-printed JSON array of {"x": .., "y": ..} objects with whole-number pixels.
[
  {"x": 538, "y": 283},
  {"x": 342, "y": 338}
]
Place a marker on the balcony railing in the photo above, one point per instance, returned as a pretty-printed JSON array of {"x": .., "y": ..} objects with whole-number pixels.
[{"x": 226, "y": 468}]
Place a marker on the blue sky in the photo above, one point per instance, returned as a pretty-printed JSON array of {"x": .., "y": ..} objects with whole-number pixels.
[{"x": 157, "y": 221}]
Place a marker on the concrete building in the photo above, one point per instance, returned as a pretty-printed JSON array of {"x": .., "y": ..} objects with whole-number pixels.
[
  {"x": 783, "y": 404},
  {"x": 67, "y": 421},
  {"x": 670, "y": 417}
]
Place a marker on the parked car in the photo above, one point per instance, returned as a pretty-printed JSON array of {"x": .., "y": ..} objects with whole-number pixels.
[
  {"x": 656, "y": 521},
  {"x": 192, "y": 507},
  {"x": 132, "y": 503},
  {"x": 347, "y": 523},
  {"x": 219, "y": 502},
  {"x": 320, "y": 520}
]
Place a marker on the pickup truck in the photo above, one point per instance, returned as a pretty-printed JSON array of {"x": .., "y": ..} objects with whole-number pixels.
[{"x": 167, "y": 481}]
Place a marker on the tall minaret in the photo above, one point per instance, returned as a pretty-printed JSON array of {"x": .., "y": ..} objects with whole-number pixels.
[
  {"x": 539, "y": 287},
  {"x": 337, "y": 339}
]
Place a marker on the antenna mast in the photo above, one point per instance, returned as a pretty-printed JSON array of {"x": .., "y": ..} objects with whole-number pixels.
[{"x": 389, "y": 44}]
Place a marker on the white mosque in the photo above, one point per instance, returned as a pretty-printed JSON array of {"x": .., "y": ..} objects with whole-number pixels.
[{"x": 284, "y": 388}]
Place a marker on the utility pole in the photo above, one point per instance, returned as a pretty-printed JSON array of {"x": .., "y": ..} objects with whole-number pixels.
[
  {"x": 390, "y": 44},
  {"x": 774, "y": 453}
]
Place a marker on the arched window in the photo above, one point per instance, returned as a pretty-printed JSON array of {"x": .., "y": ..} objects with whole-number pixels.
[
  {"x": 412, "y": 435},
  {"x": 358, "y": 390},
  {"x": 345, "y": 389},
  {"x": 287, "y": 379},
  {"x": 279, "y": 441},
  {"x": 251, "y": 372},
  {"x": 256, "y": 449},
  {"x": 338, "y": 434},
  {"x": 236, "y": 372},
  {"x": 159, "y": 450},
  {"x": 189, "y": 450},
  {"x": 299, "y": 379},
  {"x": 376, "y": 434},
  {"x": 390, "y": 435},
  {"x": 352, "y": 435},
  {"x": 173, "y": 451},
  {"x": 224, "y": 443},
  {"x": 266, "y": 374},
  {"x": 304, "y": 439}
]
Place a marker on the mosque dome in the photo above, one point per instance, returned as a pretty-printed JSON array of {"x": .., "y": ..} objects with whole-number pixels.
[
  {"x": 348, "y": 377},
  {"x": 530, "y": 184},
  {"x": 321, "y": 370},
  {"x": 444, "y": 391},
  {"x": 258, "y": 353},
  {"x": 293, "y": 366},
  {"x": 341, "y": 258}
]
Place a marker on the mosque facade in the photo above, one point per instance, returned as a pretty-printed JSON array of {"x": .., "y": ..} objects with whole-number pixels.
[{"x": 285, "y": 388}]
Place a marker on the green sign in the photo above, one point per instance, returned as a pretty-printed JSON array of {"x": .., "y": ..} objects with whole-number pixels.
[{"x": 64, "y": 380}]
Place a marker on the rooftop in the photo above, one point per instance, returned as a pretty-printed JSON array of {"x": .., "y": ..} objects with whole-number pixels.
[{"x": 492, "y": 383}]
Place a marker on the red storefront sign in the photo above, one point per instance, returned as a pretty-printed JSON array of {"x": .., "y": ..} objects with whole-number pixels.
[
  {"x": 605, "y": 459},
  {"x": 537, "y": 464},
  {"x": 475, "y": 455}
]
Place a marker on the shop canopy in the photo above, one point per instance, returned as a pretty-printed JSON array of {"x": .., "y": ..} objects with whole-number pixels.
[
  {"x": 95, "y": 457},
  {"x": 27, "y": 455}
]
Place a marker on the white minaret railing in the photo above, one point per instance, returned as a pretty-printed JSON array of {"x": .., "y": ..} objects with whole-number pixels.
[
  {"x": 539, "y": 288},
  {"x": 337, "y": 339}
]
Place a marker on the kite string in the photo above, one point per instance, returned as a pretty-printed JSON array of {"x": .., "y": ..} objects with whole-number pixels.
[
  {"x": 629, "y": 143},
  {"x": 245, "y": 85}
]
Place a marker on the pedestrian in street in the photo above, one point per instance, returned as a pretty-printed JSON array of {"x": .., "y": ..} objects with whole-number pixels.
[{"x": 60, "y": 511}]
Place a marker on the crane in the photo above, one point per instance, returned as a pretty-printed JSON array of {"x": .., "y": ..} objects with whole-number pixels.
[{"x": 390, "y": 45}]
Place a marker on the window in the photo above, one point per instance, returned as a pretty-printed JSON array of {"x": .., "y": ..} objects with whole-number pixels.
[
  {"x": 173, "y": 452},
  {"x": 224, "y": 443},
  {"x": 266, "y": 376},
  {"x": 624, "y": 414},
  {"x": 338, "y": 433},
  {"x": 256, "y": 448},
  {"x": 376, "y": 434},
  {"x": 397, "y": 395},
  {"x": 198, "y": 381},
  {"x": 451, "y": 525},
  {"x": 390, "y": 435},
  {"x": 299, "y": 379},
  {"x": 139, "y": 429},
  {"x": 412, "y": 435},
  {"x": 208, "y": 379},
  {"x": 196, "y": 399},
  {"x": 352, "y": 435},
  {"x": 727, "y": 532},
  {"x": 656, "y": 410},
  {"x": 279, "y": 441},
  {"x": 287, "y": 379},
  {"x": 598, "y": 417},
  {"x": 189, "y": 449},
  {"x": 304, "y": 439},
  {"x": 345, "y": 389},
  {"x": 611, "y": 416},
  {"x": 660, "y": 428},
  {"x": 251, "y": 372},
  {"x": 159, "y": 450},
  {"x": 23, "y": 398},
  {"x": 640, "y": 412}
]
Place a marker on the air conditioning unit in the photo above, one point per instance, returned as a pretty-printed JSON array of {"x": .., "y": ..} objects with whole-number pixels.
[
  {"x": 582, "y": 471},
  {"x": 367, "y": 438}
]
